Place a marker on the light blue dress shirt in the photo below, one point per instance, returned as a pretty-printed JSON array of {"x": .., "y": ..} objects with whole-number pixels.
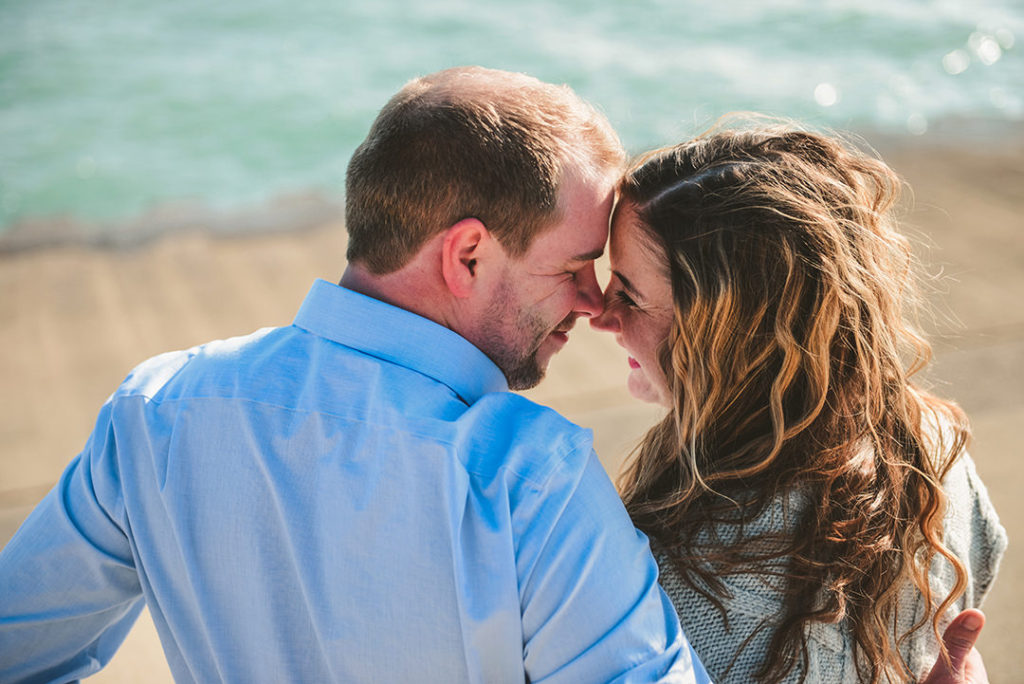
[{"x": 354, "y": 498}]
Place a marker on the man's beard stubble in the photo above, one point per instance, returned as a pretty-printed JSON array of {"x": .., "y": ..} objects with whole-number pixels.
[{"x": 503, "y": 342}]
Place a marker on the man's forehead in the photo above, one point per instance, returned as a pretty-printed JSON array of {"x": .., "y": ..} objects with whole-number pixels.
[
  {"x": 571, "y": 244},
  {"x": 581, "y": 230}
]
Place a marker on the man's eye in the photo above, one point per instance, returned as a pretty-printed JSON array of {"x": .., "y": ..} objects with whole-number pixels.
[{"x": 622, "y": 297}]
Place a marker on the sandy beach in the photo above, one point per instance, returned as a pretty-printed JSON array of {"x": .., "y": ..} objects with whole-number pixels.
[{"x": 76, "y": 319}]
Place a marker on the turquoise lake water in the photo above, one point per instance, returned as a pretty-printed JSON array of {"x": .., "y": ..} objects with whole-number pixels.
[{"x": 126, "y": 112}]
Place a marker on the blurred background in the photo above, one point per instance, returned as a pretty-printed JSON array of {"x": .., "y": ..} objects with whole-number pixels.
[
  {"x": 173, "y": 172},
  {"x": 140, "y": 117}
]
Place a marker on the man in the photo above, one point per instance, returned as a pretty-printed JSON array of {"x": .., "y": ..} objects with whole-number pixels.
[{"x": 357, "y": 497}]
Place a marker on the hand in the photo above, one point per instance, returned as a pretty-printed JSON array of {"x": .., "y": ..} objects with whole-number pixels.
[{"x": 966, "y": 664}]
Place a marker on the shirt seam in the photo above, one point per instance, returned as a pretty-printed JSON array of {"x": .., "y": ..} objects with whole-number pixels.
[{"x": 559, "y": 455}]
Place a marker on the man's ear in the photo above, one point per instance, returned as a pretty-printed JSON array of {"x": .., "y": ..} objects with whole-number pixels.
[{"x": 464, "y": 244}]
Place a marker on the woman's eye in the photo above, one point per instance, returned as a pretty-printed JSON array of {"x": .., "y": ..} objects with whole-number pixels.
[{"x": 623, "y": 298}]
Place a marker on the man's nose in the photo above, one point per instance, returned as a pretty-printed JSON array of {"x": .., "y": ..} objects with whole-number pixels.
[
  {"x": 589, "y": 298},
  {"x": 607, "y": 321}
]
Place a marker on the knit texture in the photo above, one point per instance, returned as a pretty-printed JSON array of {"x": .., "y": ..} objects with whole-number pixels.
[{"x": 734, "y": 645}]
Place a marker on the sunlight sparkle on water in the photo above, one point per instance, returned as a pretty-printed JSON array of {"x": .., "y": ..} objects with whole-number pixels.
[
  {"x": 985, "y": 47},
  {"x": 956, "y": 62},
  {"x": 917, "y": 124},
  {"x": 826, "y": 94}
]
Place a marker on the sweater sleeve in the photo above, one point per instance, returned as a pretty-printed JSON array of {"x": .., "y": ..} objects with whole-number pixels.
[
  {"x": 987, "y": 536},
  {"x": 975, "y": 536}
]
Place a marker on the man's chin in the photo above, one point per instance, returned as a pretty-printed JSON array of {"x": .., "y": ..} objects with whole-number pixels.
[
  {"x": 525, "y": 377},
  {"x": 529, "y": 372}
]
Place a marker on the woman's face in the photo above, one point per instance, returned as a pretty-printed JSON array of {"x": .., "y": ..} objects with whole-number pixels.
[{"x": 638, "y": 305}]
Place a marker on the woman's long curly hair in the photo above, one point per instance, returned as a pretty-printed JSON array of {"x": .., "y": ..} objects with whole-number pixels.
[{"x": 789, "y": 363}]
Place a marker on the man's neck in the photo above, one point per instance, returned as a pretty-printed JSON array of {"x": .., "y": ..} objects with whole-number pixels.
[
  {"x": 359, "y": 279},
  {"x": 403, "y": 288}
]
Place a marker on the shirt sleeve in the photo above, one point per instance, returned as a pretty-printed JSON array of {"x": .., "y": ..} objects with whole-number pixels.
[
  {"x": 592, "y": 609},
  {"x": 70, "y": 592}
]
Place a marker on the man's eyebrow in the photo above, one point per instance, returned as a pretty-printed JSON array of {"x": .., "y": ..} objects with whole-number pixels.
[{"x": 589, "y": 256}]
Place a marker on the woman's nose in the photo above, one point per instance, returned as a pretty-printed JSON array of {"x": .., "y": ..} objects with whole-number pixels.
[{"x": 608, "y": 321}]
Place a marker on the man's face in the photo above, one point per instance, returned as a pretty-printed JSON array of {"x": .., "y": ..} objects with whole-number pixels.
[{"x": 542, "y": 293}]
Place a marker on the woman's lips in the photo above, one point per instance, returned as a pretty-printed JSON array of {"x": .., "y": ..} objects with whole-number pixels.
[{"x": 633, "y": 363}]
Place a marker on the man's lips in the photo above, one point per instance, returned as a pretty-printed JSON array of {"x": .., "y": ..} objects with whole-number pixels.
[
  {"x": 561, "y": 335},
  {"x": 633, "y": 363}
]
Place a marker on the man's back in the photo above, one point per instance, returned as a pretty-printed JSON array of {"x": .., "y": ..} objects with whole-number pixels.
[{"x": 329, "y": 502}]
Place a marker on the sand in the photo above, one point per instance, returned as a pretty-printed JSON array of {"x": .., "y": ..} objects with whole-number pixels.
[{"x": 75, "y": 321}]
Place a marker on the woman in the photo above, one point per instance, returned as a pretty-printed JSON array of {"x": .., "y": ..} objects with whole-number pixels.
[{"x": 815, "y": 514}]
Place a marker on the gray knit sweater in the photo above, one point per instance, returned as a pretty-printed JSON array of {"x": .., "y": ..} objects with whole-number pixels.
[{"x": 973, "y": 533}]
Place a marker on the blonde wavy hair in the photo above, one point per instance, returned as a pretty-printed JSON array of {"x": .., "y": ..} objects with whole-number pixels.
[{"x": 789, "y": 363}]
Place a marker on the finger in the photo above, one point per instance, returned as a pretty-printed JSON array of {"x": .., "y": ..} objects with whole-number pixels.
[
  {"x": 974, "y": 669},
  {"x": 959, "y": 638},
  {"x": 962, "y": 634}
]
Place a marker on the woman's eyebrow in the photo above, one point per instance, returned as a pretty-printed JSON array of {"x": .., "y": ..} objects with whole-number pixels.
[{"x": 625, "y": 283}]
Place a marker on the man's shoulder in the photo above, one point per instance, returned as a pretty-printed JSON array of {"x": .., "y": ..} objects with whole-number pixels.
[
  {"x": 168, "y": 374},
  {"x": 508, "y": 432}
]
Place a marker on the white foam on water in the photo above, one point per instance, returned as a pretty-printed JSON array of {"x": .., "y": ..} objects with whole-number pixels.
[{"x": 105, "y": 116}]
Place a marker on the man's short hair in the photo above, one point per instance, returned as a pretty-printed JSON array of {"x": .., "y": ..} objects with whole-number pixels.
[{"x": 464, "y": 143}]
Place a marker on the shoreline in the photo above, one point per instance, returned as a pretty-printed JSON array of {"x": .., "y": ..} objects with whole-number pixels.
[
  {"x": 287, "y": 213},
  {"x": 299, "y": 211},
  {"x": 78, "y": 318}
]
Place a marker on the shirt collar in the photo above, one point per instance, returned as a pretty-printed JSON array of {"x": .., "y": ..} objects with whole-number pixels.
[{"x": 399, "y": 336}]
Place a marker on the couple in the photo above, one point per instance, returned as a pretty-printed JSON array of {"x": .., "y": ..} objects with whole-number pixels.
[{"x": 357, "y": 497}]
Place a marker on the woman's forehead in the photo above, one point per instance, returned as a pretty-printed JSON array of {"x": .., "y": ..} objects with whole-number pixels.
[{"x": 632, "y": 241}]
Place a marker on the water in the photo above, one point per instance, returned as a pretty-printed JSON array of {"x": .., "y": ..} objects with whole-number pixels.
[{"x": 128, "y": 116}]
